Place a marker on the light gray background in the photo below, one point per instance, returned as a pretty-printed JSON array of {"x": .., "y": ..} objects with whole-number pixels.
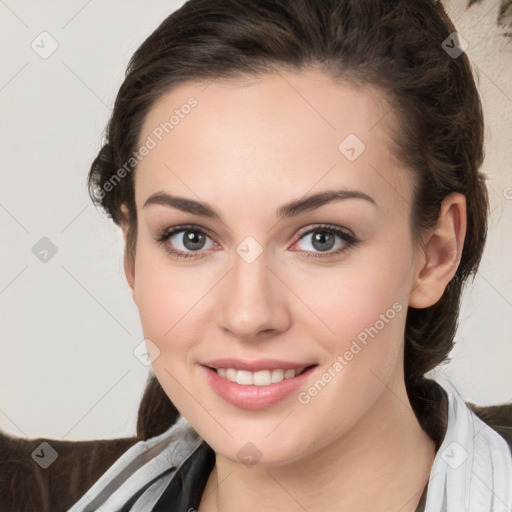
[{"x": 68, "y": 325}]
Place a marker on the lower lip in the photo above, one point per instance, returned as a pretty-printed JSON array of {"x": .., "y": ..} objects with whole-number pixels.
[{"x": 255, "y": 397}]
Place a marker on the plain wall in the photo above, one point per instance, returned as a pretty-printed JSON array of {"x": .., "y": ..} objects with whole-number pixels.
[{"x": 68, "y": 325}]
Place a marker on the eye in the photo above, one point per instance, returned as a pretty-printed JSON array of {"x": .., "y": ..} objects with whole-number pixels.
[
  {"x": 185, "y": 241},
  {"x": 326, "y": 240}
]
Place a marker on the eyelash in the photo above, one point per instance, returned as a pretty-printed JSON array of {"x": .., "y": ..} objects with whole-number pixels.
[{"x": 350, "y": 239}]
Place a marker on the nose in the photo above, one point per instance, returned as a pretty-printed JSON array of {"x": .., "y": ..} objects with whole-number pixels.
[{"x": 253, "y": 306}]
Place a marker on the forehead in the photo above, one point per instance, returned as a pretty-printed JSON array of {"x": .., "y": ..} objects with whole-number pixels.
[{"x": 280, "y": 132}]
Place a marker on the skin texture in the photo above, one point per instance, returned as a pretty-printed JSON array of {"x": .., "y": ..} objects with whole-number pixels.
[{"x": 248, "y": 147}]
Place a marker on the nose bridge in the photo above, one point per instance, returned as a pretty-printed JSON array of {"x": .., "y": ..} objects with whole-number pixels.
[{"x": 251, "y": 301}]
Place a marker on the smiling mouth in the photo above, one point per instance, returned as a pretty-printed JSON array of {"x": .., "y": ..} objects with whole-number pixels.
[
  {"x": 259, "y": 378},
  {"x": 253, "y": 385}
]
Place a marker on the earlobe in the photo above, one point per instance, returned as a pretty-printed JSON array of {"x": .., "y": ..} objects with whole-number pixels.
[{"x": 440, "y": 253}]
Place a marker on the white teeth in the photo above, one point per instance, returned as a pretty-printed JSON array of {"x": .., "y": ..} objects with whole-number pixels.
[
  {"x": 288, "y": 374},
  {"x": 259, "y": 378},
  {"x": 231, "y": 374},
  {"x": 243, "y": 377},
  {"x": 262, "y": 378},
  {"x": 277, "y": 375}
]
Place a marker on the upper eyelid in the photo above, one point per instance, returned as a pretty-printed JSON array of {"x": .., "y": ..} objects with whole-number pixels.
[
  {"x": 167, "y": 233},
  {"x": 318, "y": 227}
]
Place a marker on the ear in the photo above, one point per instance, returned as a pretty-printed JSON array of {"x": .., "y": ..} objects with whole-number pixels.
[
  {"x": 129, "y": 265},
  {"x": 440, "y": 253}
]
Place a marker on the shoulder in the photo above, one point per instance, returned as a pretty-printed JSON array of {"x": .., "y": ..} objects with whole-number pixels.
[
  {"x": 430, "y": 400},
  {"x": 144, "y": 470},
  {"x": 498, "y": 417}
]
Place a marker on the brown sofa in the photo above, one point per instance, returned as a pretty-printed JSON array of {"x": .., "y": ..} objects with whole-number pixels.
[{"x": 26, "y": 487}]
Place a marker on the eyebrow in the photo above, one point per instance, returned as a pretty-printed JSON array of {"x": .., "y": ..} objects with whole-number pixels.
[{"x": 288, "y": 210}]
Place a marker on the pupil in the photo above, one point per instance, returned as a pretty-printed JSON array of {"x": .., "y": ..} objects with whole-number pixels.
[
  {"x": 193, "y": 240},
  {"x": 323, "y": 241}
]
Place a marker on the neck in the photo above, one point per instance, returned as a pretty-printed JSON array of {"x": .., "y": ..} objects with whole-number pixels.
[{"x": 383, "y": 463}]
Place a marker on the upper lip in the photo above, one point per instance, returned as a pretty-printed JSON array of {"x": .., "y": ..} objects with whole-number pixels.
[{"x": 257, "y": 365}]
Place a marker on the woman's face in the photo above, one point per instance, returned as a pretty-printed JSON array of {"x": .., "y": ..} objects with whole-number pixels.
[{"x": 293, "y": 220}]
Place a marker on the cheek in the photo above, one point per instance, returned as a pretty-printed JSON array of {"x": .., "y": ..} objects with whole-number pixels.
[
  {"x": 362, "y": 308},
  {"x": 360, "y": 294},
  {"x": 165, "y": 298},
  {"x": 365, "y": 305}
]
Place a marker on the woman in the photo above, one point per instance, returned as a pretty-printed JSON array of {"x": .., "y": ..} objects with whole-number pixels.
[{"x": 298, "y": 186}]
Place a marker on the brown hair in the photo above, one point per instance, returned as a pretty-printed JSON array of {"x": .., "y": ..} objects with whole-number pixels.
[{"x": 393, "y": 45}]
